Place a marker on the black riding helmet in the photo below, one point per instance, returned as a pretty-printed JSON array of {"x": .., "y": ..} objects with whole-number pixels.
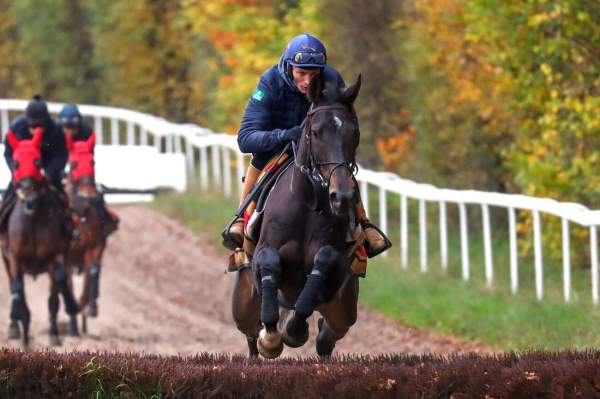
[
  {"x": 70, "y": 116},
  {"x": 36, "y": 112}
]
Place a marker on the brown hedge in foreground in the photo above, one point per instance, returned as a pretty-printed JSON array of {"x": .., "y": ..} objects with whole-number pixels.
[{"x": 86, "y": 374}]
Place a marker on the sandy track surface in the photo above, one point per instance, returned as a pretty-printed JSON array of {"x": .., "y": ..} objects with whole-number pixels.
[{"x": 164, "y": 290}]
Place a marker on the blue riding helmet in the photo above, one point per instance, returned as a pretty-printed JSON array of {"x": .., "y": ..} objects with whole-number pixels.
[
  {"x": 305, "y": 51},
  {"x": 70, "y": 116}
]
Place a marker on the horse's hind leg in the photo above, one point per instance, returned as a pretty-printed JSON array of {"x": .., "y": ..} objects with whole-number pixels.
[
  {"x": 338, "y": 316},
  {"x": 60, "y": 277},
  {"x": 269, "y": 342},
  {"x": 296, "y": 329},
  {"x": 245, "y": 307}
]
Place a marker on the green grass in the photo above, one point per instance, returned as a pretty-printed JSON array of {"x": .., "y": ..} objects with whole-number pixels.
[{"x": 441, "y": 301}]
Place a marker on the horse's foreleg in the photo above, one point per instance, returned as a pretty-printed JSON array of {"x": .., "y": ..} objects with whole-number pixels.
[
  {"x": 338, "y": 316},
  {"x": 94, "y": 292},
  {"x": 296, "y": 329},
  {"x": 269, "y": 342},
  {"x": 53, "y": 306},
  {"x": 245, "y": 307},
  {"x": 60, "y": 277},
  {"x": 19, "y": 309}
]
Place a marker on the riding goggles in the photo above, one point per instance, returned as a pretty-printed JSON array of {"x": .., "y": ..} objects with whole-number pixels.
[
  {"x": 70, "y": 122},
  {"x": 308, "y": 59}
]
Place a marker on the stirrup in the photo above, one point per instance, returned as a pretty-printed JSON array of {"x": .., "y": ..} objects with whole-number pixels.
[
  {"x": 231, "y": 241},
  {"x": 372, "y": 252}
]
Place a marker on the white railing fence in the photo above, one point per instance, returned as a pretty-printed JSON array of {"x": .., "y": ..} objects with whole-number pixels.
[{"x": 116, "y": 126}]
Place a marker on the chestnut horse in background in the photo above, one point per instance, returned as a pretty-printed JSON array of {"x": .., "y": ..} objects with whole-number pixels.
[
  {"x": 85, "y": 252},
  {"x": 36, "y": 240},
  {"x": 309, "y": 227}
]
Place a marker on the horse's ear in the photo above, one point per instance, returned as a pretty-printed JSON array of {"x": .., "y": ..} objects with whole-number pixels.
[
  {"x": 37, "y": 137},
  {"x": 350, "y": 93},
  {"x": 12, "y": 140},
  {"x": 315, "y": 89},
  {"x": 91, "y": 141}
]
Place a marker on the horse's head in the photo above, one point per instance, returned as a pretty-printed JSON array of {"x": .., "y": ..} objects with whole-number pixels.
[
  {"x": 27, "y": 172},
  {"x": 327, "y": 149},
  {"x": 81, "y": 173}
]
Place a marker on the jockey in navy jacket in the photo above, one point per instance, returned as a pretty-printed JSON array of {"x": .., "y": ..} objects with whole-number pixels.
[
  {"x": 273, "y": 118},
  {"x": 276, "y": 106}
]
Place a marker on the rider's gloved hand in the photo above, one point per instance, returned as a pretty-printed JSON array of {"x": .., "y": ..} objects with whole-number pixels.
[{"x": 291, "y": 134}]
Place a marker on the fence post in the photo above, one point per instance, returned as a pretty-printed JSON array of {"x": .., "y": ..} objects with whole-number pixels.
[
  {"x": 594, "y": 263},
  {"x": 539, "y": 267},
  {"x": 226, "y": 172},
  {"x": 423, "y": 235},
  {"x": 216, "y": 165},
  {"x": 114, "y": 131},
  {"x": 203, "y": 168},
  {"x": 404, "y": 231},
  {"x": 189, "y": 158},
  {"x": 566, "y": 250},
  {"x": 240, "y": 171},
  {"x": 130, "y": 133},
  {"x": 487, "y": 244},
  {"x": 464, "y": 240},
  {"x": 143, "y": 136},
  {"x": 514, "y": 267},
  {"x": 177, "y": 143},
  {"x": 5, "y": 122},
  {"x": 99, "y": 130},
  {"x": 169, "y": 143},
  {"x": 443, "y": 236},
  {"x": 364, "y": 195},
  {"x": 383, "y": 213},
  {"x": 158, "y": 142}
]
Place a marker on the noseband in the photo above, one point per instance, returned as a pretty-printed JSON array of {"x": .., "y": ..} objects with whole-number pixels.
[{"x": 313, "y": 169}]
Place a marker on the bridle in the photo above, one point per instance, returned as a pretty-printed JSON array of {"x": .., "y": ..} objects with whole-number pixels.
[{"x": 313, "y": 170}]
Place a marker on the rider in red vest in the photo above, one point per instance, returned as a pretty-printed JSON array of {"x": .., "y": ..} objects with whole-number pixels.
[
  {"x": 274, "y": 116},
  {"x": 77, "y": 128},
  {"x": 53, "y": 151}
]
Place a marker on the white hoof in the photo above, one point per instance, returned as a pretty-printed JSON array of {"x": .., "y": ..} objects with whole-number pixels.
[{"x": 270, "y": 345}]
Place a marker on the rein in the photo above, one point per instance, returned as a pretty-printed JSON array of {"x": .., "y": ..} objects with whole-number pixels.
[{"x": 313, "y": 170}]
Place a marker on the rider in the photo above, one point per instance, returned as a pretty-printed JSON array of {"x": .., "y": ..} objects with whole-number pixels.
[
  {"x": 273, "y": 118},
  {"x": 53, "y": 151},
  {"x": 78, "y": 129}
]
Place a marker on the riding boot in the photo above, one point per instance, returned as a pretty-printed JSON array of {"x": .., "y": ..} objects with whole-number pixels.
[
  {"x": 110, "y": 221},
  {"x": 234, "y": 237},
  {"x": 376, "y": 241}
]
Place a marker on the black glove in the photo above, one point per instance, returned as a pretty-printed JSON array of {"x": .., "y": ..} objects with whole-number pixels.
[{"x": 287, "y": 135}]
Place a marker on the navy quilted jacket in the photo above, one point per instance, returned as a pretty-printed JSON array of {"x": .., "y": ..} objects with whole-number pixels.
[{"x": 275, "y": 105}]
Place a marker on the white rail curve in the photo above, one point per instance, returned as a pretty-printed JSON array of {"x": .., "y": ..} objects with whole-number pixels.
[{"x": 115, "y": 126}]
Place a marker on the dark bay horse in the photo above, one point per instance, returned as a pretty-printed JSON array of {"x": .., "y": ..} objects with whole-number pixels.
[
  {"x": 85, "y": 252},
  {"x": 37, "y": 240},
  {"x": 301, "y": 261}
]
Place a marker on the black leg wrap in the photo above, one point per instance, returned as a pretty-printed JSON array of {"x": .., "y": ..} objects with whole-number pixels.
[
  {"x": 60, "y": 278},
  {"x": 268, "y": 262},
  {"x": 325, "y": 259},
  {"x": 95, "y": 281},
  {"x": 17, "y": 298}
]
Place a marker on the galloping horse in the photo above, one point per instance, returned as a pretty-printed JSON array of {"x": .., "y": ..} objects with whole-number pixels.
[
  {"x": 86, "y": 251},
  {"x": 301, "y": 261},
  {"x": 36, "y": 240}
]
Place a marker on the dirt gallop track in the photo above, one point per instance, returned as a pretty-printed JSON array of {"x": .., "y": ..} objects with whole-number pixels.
[{"x": 163, "y": 290}]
